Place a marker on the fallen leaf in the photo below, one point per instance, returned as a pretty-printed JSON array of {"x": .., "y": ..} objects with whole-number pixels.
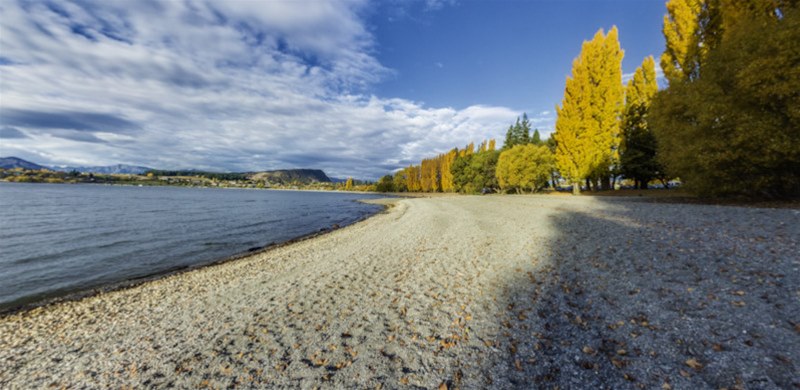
[
  {"x": 588, "y": 350},
  {"x": 739, "y": 293},
  {"x": 622, "y": 352},
  {"x": 518, "y": 365},
  {"x": 693, "y": 363},
  {"x": 404, "y": 380},
  {"x": 738, "y": 303},
  {"x": 717, "y": 347},
  {"x": 666, "y": 386},
  {"x": 685, "y": 374},
  {"x": 443, "y": 386}
]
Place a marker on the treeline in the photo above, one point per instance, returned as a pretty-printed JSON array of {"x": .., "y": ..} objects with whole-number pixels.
[
  {"x": 525, "y": 163},
  {"x": 728, "y": 124}
]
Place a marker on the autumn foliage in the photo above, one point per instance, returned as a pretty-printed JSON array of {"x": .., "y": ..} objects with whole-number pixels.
[{"x": 727, "y": 124}]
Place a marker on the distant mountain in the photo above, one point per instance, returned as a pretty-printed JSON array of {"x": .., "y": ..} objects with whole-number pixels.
[
  {"x": 108, "y": 169},
  {"x": 15, "y": 162},
  {"x": 292, "y": 175},
  {"x": 280, "y": 176}
]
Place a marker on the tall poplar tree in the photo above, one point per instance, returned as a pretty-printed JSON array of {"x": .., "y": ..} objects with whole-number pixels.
[
  {"x": 588, "y": 120},
  {"x": 638, "y": 147},
  {"x": 446, "y": 174}
]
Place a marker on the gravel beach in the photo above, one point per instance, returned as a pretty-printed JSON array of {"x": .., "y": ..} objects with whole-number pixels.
[{"x": 463, "y": 292}]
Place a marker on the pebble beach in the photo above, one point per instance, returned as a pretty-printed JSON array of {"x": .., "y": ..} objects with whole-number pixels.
[{"x": 453, "y": 292}]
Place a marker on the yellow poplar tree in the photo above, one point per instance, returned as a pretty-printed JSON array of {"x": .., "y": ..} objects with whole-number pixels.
[
  {"x": 680, "y": 59},
  {"x": 428, "y": 175},
  {"x": 638, "y": 148},
  {"x": 446, "y": 174},
  {"x": 412, "y": 178},
  {"x": 588, "y": 121},
  {"x": 348, "y": 185}
]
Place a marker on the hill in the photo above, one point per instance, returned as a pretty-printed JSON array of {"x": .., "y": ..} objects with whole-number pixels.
[
  {"x": 15, "y": 162},
  {"x": 280, "y": 176}
]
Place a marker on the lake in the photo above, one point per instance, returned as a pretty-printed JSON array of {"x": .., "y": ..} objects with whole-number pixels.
[{"x": 57, "y": 239}]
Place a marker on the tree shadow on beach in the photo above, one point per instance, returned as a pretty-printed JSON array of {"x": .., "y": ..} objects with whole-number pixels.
[{"x": 642, "y": 295}]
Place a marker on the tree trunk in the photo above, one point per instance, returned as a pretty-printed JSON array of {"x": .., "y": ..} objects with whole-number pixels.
[
  {"x": 588, "y": 184},
  {"x": 605, "y": 182},
  {"x": 576, "y": 188}
]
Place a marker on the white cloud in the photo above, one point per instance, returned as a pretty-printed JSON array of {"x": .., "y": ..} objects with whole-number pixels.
[{"x": 223, "y": 85}]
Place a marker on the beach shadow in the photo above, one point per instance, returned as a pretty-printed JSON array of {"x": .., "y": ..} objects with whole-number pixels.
[{"x": 641, "y": 295}]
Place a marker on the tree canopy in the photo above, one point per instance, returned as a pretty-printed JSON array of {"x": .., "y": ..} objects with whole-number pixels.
[
  {"x": 524, "y": 167},
  {"x": 587, "y": 124},
  {"x": 735, "y": 128}
]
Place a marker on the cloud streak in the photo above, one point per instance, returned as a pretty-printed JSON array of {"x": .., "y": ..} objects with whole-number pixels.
[{"x": 213, "y": 85}]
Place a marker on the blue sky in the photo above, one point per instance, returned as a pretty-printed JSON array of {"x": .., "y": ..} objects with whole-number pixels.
[
  {"x": 508, "y": 53},
  {"x": 354, "y": 87}
]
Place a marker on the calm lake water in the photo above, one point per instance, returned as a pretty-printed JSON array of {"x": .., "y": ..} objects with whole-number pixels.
[{"x": 57, "y": 239}]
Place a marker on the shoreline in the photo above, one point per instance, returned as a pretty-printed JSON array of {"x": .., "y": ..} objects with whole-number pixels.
[
  {"x": 78, "y": 295},
  {"x": 466, "y": 291}
]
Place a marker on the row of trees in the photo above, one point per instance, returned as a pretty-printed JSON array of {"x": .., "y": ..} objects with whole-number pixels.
[
  {"x": 443, "y": 173},
  {"x": 524, "y": 163},
  {"x": 727, "y": 124}
]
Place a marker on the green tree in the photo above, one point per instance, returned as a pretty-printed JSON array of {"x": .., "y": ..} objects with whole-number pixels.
[
  {"x": 385, "y": 184},
  {"x": 524, "y": 167},
  {"x": 474, "y": 172},
  {"x": 536, "y": 138},
  {"x": 510, "y": 140},
  {"x": 638, "y": 147},
  {"x": 519, "y": 133},
  {"x": 524, "y": 131},
  {"x": 588, "y": 120},
  {"x": 735, "y": 129},
  {"x": 399, "y": 180}
]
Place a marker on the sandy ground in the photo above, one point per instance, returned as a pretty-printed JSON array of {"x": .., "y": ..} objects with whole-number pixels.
[{"x": 469, "y": 292}]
